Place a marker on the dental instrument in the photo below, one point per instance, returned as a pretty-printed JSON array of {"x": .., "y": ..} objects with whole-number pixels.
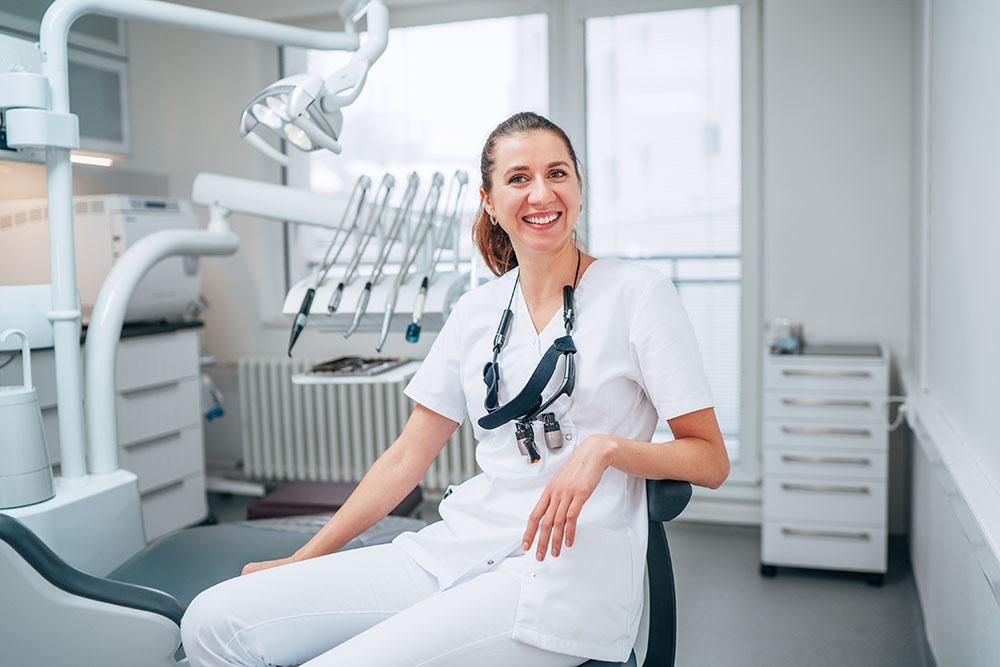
[
  {"x": 423, "y": 227},
  {"x": 302, "y": 317},
  {"x": 374, "y": 220},
  {"x": 413, "y": 331},
  {"x": 413, "y": 182}
]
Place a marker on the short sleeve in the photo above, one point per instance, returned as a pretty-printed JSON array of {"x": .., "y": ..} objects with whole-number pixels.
[
  {"x": 437, "y": 384},
  {"x": 665, "y": 352}
]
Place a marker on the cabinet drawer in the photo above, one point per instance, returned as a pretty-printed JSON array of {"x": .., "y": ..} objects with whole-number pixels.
[
  {"x": 174, "y": 507},
  {"x": 811, "y": 375},
  {"x": 825, "y": 499},
  {"x": 145, "y": 361},
  {"x": 826, "y": 546},
  {"x": 824, "y": 463},
  {"x": 832, "y": 407},
  {"x": 164, "y": 460},
  {"x": 785, "y": 433},
  {"x": 147, "y": 413}
]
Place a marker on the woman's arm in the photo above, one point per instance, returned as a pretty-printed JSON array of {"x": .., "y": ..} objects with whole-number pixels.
[
  {"x": 697, "y": 455},
  {"x": 393, "y": 475}
]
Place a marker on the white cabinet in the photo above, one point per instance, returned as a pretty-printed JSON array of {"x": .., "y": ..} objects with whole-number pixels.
[
  {"x": 98, "y": 73},
  {"x": 158, "y": 379},
  {"x": 825, "y": 455}
]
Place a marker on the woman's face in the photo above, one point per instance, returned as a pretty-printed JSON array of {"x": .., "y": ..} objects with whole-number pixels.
[{"x": 535, "y": 192}]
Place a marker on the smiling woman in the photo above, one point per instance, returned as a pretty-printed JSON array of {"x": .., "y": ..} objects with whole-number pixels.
[
  {"x": 532, "y": 205},
  {"x": 538, "y": 560}
]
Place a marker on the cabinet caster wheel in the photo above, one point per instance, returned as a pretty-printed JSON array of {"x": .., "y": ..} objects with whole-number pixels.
[
  {"x": 769, "y": 571},
  {"x": 875, "y": 579}
]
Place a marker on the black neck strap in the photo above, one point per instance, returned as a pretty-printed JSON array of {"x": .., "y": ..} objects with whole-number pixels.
[{"x": 529, "y": 399}]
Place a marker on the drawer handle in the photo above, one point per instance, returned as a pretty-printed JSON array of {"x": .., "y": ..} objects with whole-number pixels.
[
  {"x": 832, "y": 402},
  {"x": 835, "y": 460},
  {"x": 148, "y": 387},
  {"x": 820, "y": 488},
  {"x": 826, "y": 374},
  {"x": 793, "y": 532},
  {"x": 156, "y": 439},
  {"x": 819, "y": 430}
]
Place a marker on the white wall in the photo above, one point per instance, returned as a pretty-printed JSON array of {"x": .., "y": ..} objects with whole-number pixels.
[
  {"x": 837, "y": 90},
  {"x": 837, "y": 185},
  {"x": 955, "y": 359},
  {"x": 961, "y": 616}
]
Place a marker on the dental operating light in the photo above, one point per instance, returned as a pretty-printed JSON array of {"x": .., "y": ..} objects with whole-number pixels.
[{"x": 305, "y": 109}]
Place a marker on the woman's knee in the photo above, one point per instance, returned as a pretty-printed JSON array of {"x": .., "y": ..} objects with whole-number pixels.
[{"x": 208, "y": 626}]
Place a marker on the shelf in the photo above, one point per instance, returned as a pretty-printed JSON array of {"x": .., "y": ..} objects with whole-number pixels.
[{"x": 398, "y": 374}]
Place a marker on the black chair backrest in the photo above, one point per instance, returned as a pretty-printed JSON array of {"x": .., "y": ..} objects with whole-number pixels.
[{"x": 666, "y": 500}]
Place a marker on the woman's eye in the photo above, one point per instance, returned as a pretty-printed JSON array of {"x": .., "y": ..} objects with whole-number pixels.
[
  {"x": 518, "y": 179},
  {"x": 558, "y": 173}
]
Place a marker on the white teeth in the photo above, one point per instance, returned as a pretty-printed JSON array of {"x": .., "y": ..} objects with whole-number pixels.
[{"x": 542, "y": 221}]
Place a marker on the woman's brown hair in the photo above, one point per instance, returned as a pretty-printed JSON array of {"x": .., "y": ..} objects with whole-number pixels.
[{"x": 492, "y": 240}]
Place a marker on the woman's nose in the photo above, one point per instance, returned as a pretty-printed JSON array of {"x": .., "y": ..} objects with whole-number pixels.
[{"x": 540, "y": 192}]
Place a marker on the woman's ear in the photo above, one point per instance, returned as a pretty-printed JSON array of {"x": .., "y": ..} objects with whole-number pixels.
[{"x": 487, "y": 204}]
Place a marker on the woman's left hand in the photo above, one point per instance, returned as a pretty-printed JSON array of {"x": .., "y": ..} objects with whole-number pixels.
[{"x": 559, "y": 507}]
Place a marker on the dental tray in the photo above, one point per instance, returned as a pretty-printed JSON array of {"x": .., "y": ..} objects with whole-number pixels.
[{"x": 358, "y": 366}]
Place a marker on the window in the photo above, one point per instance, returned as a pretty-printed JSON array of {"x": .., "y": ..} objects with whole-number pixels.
[{"x": 663, "y": 156}]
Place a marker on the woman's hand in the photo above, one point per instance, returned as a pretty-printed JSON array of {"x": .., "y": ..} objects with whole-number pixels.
[
  {"x": 559, "y": 507},
  {"x": 249, "y": 568}
]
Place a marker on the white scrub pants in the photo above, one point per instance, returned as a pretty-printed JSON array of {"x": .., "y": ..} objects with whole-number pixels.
[{"x": 371, "y": 606}]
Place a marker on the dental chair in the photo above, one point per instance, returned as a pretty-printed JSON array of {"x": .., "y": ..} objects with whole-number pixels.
[{"x": 53, "y": 614}]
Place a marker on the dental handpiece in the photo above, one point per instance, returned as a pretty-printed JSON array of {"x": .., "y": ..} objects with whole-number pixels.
[
  {"x": 413, "y": 331},
  {"x": 401, "y": 214},
  {"x": 361, "y": 188},
  {"x": 377, "y": 211},
  {"x": 302, "y": 317},
  {"x": 423, "y": 227}
]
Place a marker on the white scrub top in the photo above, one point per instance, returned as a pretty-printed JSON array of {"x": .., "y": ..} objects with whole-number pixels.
[{"x": 637, "y": 362}]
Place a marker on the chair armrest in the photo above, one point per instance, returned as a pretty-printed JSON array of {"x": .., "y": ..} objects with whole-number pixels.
[
  {"x": 666, "y": 498},
  {"x": 50, "y": 566}
]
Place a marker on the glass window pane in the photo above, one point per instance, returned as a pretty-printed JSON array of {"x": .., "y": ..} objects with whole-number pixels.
[
  {"x": 412, "y": 118},
  {"x": 663, "y": 153}
]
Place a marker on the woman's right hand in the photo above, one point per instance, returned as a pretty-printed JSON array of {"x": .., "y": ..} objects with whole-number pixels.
[{"x": 266, "y": 565}]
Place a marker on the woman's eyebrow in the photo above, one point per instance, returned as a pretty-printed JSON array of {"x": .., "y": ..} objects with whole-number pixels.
[{"x": 522, "y": 167}]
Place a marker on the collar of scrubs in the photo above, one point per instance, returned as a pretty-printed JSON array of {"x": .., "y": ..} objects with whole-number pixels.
[{"x": 528, "y": 403}]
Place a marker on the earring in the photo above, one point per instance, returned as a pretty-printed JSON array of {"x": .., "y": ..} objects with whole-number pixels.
[{"x": 493, "y": 220}]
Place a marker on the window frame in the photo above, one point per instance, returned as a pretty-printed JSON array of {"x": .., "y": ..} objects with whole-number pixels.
[{"x": 738, "y": 500}]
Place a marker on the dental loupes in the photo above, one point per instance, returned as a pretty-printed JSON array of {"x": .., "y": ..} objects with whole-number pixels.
[
  {"x": 402, "y": 213},
  {"x": 447, "y": 227},
  {"x": 377, "y": 211},
  {"x": 423, "y": 227}
]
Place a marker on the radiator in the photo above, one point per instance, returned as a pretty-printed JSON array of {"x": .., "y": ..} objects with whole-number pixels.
[{"x": 330, "y": 432}]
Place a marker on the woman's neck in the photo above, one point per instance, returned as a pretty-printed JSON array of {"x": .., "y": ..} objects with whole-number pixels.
[{"x": 542, "y": 277}]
